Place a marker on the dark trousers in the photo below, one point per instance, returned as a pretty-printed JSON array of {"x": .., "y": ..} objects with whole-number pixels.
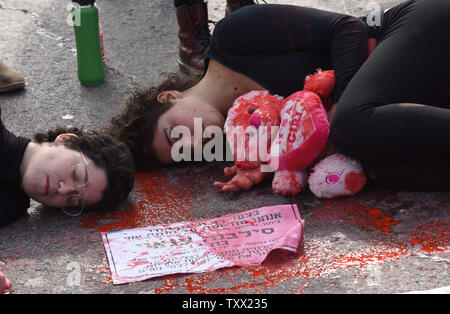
[{"x": 402, "y": 146}]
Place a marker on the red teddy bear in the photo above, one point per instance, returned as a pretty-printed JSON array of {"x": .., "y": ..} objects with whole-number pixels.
[{"x": 270, "y": 134}]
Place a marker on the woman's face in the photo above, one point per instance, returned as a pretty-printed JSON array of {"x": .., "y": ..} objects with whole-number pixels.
[
  {"x": 50, "y": 173},
  {"x": 182, "y": 113}
]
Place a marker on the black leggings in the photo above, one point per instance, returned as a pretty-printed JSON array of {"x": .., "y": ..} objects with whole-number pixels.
[
  {"x": 400, "y": 145},
  {"x": 279, "y": 45}
]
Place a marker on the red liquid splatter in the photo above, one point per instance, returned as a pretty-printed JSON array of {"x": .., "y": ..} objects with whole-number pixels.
[
  {"x": 319, "y": 257},
  {"x": 434, "y": 237},
  {"x": 352, "y": 211},
  {"x": 163, "y": 201},
  {"x": 168, "y": 200}
]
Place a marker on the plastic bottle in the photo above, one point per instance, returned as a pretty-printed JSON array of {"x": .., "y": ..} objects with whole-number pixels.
[{"x": 91, "y": 69}]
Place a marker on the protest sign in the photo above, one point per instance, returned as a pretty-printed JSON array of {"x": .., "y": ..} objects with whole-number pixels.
[{"x": 241, "y": 239}]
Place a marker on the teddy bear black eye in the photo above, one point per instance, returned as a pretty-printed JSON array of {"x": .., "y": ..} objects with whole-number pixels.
[{"x": 251, "y": 111}]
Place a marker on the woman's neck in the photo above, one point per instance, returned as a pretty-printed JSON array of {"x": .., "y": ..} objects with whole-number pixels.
[
  {"x": 30, "y": 152},
  {"x": 221, "y": 86}
]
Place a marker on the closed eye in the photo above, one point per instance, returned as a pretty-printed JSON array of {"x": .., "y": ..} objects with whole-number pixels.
[
  {"x": 79, "y": 175},
  {"x": 73, "y": 174}
]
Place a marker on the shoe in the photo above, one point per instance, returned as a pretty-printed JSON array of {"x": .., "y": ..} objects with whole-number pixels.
[
  {"x": 233, "y": 5},
  {"x": 9, "y": 79},
  {"x": 194, "y": 37}
]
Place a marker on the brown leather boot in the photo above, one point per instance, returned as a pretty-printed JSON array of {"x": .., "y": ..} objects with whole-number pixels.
[
  {"x": 194, "y": 36},
  {"x": 233, "y": 5},
  {"x": 9, "y": 79}
]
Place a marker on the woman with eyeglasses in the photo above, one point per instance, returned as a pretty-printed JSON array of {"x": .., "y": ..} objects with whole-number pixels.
[{"x": 66, "y": 168}]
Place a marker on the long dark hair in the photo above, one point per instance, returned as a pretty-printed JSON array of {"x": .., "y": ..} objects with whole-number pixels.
[{"x": 136, "y": 124}]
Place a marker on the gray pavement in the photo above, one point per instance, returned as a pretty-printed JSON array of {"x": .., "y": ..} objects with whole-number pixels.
[{"x": 380, "y": 241}]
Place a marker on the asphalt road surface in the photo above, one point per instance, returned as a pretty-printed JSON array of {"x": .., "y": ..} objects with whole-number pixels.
[{"x": 380, "y": 241}]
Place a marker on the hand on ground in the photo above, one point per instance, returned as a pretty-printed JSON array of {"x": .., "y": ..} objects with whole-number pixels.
[{"x": 243, "y": 179}]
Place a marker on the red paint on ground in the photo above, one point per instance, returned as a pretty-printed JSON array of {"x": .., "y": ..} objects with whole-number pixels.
[
  {"x": 352, "y": 211},
  {"x": 316, "y": 261},
  {"x": 434, "y": 236},
  {"x": 101, "y": 271},
  {"x": 167, "y": 200},
  {"x": 163, "y": 201},
  {"x": 320, "y": 257}
]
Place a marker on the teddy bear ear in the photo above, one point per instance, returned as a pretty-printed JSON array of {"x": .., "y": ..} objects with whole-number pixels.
[{"x": 321, "y": 83}]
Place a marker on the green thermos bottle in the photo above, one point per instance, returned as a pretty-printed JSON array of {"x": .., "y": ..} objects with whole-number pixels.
[{"x": 91, "y": 70}]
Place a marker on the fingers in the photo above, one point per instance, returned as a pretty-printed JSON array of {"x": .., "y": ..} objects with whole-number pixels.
[
  {"x": 219, "y": 185},
  {"x": 230, "y": 171},
  {"x": 231, "y": 188},
  {"x": 243, "y": 182},
  {"x": 256, "y": 176},
  {"x": 238, "y": 183},
  {"x": 227, "y": 186}
]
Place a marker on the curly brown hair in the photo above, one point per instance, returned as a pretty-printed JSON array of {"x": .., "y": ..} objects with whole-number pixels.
[
  {"x": 136, "y": 125},
  {"x": 107, "y": 153}
]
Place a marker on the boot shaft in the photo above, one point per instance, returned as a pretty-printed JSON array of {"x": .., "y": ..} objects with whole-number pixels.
[
  {"x": 194, "y": 36},
  {"x": 193, "y": 30}
]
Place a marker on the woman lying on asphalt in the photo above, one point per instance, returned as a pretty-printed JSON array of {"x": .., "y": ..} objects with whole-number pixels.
[
  {"x": 391, "y": 111},
  {"x": 66, "y": 168}
]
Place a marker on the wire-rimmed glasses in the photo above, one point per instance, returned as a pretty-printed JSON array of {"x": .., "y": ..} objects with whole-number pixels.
[{"x": 79, "y": 179}]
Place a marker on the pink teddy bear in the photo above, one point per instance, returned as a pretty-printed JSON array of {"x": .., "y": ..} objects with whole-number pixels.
[{"x": 288, "y": 135}]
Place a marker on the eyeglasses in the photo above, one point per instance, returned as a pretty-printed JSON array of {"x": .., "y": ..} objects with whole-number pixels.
[{"x": 79, "y": 179}]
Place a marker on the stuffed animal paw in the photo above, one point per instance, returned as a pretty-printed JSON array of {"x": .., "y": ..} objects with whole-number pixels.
[
  {"x": 289, "y": 182},
  {"x": 336, "y": 175}
]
